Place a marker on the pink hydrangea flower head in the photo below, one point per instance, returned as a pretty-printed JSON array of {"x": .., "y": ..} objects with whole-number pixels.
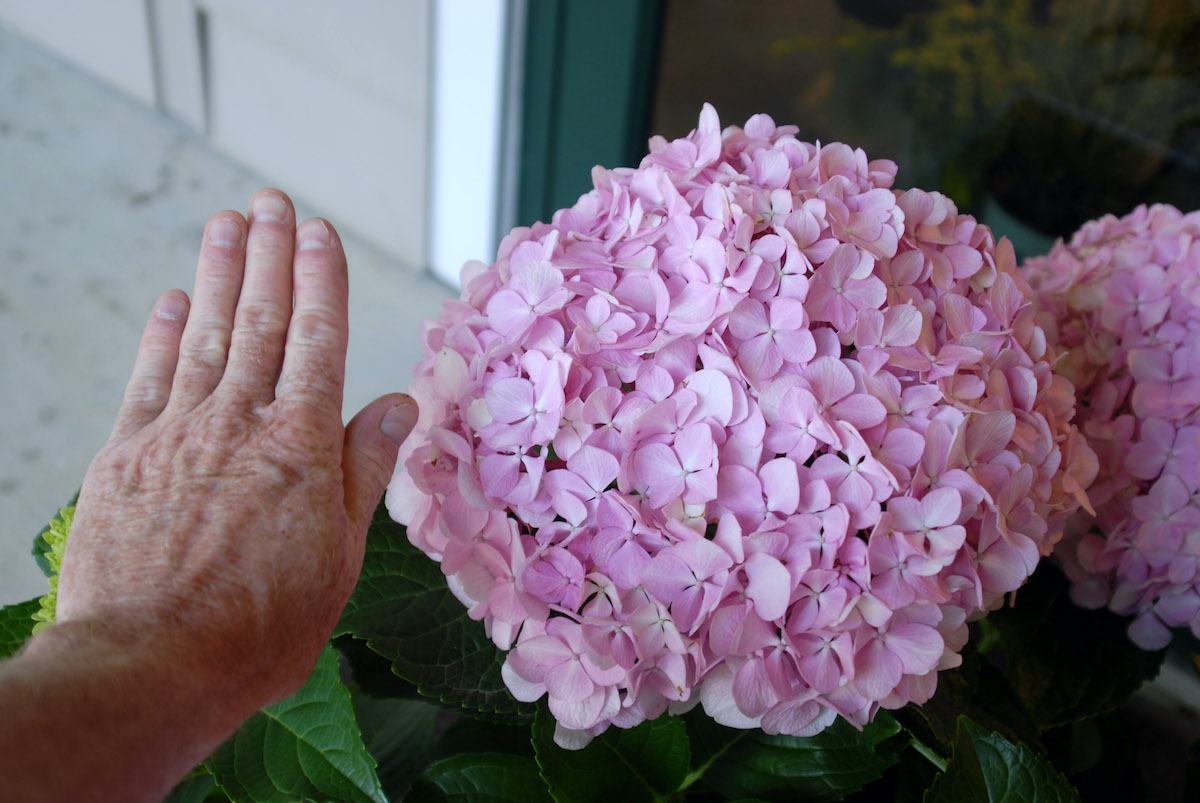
[
  {"x": 744, "y": 427},
  {"x": 1120, "y": 302}
]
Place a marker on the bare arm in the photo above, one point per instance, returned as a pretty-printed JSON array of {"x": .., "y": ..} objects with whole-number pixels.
[{"x": 218, "y": 533}]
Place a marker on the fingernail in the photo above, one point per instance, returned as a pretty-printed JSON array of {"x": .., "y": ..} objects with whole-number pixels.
[
  {"x": 268, "y": 206},
  {"x": 171, "y": 308},
  {"x": 225, "y": 233},
  {"x": 399, "y": 421},
  {"x": 312, "y": 235}
]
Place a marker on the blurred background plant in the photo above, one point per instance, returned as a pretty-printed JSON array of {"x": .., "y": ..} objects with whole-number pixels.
[{"x": 1035, "y": 115}]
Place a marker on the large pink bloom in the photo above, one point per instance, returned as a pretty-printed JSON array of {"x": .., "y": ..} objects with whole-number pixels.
[
  {"x": 745, "y": 426},
  {"x": 1120, "y": 300}
]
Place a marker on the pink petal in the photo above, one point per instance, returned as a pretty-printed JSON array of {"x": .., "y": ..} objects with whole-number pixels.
[
  {"x": 580, "y": 714},
  {"x": 508, "y": 312},
  {"x": 748, "y": 319},
  {"x": 769, "y": 586},
  {"x": 917, "y": 646},
  {"x": 829, "y": 379},
  {"x": 510, "y": 400},
  {"x": 752, "y": 690},
  {"x": 855, "y": 492},
  {"x": 666, "y": 576},
  {"x": 716, "y": 694},
  {"x": 781, "y": 485},
  {"x": 595, "y": 466},
  {"x": 569, "y": 682},
  {"x": 860, "y": 409},
  {"x": 869, "y": 330},
  {"x": 903, "y": 325},
  {"x": 801, "y": 719},
  {"x": 788, "y": 314},
  {"x": 694, "y": 445},
  {"x": 877, "y": 670},
  {"x": 760, "y": 357},
  {"x": 715, "y": 393},
  {"x": 499, "y": 474},
  {"x": 739, "y": 490},
  {"x": 1149, "y": 633},
  {"x": 700, "y": 487},
  {"x": 908, "y": 516},
  {"x": 659, "y": 468},
  {"x": 533, "y": 657},
  {"x": 941, "y": 507},
  {"x": 524, "y": 690},
  {"x": 796, "y": 346}
]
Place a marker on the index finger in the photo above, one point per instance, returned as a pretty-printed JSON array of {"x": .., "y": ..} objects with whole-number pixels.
[{"x": 314, "y": 358}]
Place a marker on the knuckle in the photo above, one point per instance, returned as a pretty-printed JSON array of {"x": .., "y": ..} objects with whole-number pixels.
[
  {"x": 221, "y": 269},
  {"x": 318, "y": 326},
  {"x": 268, "y": 244},
  {"x": 209, "y": 345},
  {"x": 264, "y": 317},
  {"x": 147, "y": 395}
]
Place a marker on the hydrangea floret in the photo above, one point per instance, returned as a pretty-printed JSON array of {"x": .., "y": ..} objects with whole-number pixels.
[
  {"x": 1122, "y": 301},
  {"x": 55, "y": 538},
  {"x": 744, "y": 427}
]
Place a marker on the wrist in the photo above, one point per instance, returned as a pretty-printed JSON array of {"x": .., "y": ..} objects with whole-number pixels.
[{"x": 155, "y": 672}]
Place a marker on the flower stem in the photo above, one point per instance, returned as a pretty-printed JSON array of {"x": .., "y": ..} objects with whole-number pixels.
[{"x": 933, "y": 757}]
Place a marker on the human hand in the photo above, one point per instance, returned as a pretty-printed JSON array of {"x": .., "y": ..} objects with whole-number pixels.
[{"x": 224, "y": 520}]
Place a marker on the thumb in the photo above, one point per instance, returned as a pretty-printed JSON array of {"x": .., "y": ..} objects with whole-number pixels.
[{"x": 373, "y": 439}]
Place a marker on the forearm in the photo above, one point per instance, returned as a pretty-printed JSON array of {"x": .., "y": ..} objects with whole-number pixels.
[{"x": 89, "y": 714}]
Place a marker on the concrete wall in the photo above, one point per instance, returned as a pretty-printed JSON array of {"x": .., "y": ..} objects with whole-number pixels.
[{"x": 329, "y": 101}]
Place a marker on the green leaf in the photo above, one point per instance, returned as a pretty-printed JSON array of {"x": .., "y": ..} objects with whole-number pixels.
[
  {"x": 481, "y": 778},
  {"x": 42, "y": 544},
  {"x": 371, "y": 673},
  {"x": 988, "y": 768},
  {"x": 305, "y": 747},
  {"x": 1100, "y": 757},
  {"x": 399, "y": 735},
  {"x": 404, "y": 610},
  {"x": 975, "y": 689},
  {"x": 198, "y": 787},
  {"x": 644, "y": 763},
  {"x": 469, "y": 734},
  {"x": 16, "y": 626},
  {"x": 38, "y": 549},
  {"x": 1065, "y": 662},
  {"x": 54, "y": 537},
  {"x": 837, "y": 761}
]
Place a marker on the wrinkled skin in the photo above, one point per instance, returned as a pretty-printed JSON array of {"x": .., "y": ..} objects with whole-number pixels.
[{"x": 220, "y": 530}]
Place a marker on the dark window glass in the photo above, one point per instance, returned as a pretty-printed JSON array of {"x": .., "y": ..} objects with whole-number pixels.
[{"x": 1035, "y": 116}]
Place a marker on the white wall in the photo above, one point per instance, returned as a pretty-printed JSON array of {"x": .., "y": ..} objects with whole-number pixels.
[
  {"x": 112, "y": 39},
  {"x": 330, "y": 101}
]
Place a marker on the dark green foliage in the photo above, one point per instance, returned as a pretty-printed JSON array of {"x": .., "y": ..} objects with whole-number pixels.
[
  {"x": 305, "y": 747},
  {"x": 828, "y": 766},
  {"x": 481, "y": 778},
  {"x": 988, "y": 768},
  {"x": 16, "y": 626},
  {"x": 399, "y": 735},
  {"x": 639, "y": 764},
  {"x": 474, "y": 735},
  {"x": 1067, "y": 663},
  {"x": 404, "y": 611},
  {"x": 978, "y": 690}
]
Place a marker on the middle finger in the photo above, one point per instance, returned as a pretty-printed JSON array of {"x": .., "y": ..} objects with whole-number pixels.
[{"x": 265, "y": 307}]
